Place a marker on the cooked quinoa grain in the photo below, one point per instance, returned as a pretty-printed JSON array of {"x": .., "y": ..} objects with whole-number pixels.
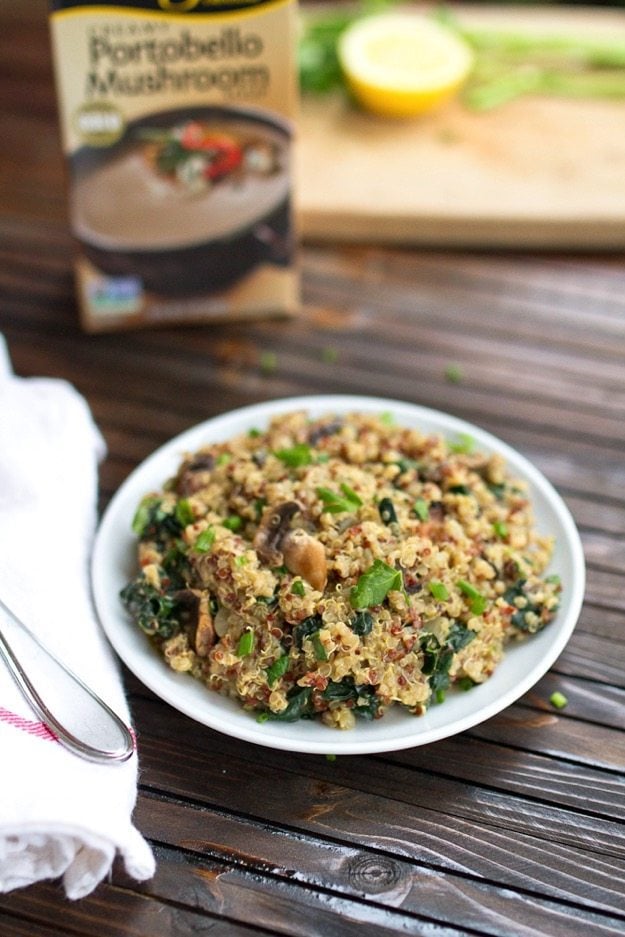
[{"x": 330, "y": 568}]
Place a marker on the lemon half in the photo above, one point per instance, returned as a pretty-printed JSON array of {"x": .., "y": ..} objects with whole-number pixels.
[{"x": 402, "y": 64}]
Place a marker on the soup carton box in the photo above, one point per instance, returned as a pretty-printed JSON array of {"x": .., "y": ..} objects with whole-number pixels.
[{"x": 177, "y": 120}]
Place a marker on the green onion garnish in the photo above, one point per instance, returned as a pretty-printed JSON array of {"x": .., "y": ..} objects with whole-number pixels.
[
  {"x": 204, "y": 540},
  {"x": 421, "y": 509},
  {"x": 438, "y": 590},
  {"x": 477, "y": 602},
  {"x": 246, "y": 643}
]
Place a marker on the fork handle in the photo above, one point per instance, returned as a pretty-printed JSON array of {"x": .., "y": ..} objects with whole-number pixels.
[{"x": 74, "y": 713}]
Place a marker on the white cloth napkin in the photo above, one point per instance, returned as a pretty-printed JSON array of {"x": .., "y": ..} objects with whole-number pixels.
[{"x": 59, "y": 815}]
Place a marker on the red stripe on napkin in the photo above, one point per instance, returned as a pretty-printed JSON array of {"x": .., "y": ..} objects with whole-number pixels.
[{"x": 27, "y": 725}]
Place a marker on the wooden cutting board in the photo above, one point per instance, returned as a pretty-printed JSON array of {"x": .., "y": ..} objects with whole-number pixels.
[{"x": 536, "y": 172}]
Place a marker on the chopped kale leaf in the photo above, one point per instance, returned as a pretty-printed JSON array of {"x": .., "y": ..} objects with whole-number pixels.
[
  {"x": 438, "y": 657},
  {"x": 364, "y": 698},
  {"x": 387, "y": 511},
  {"x": 299, "y": 706},
  {"x": 362, "y": 623},
  {"x": 153, "y": 611},
  {"x": 153, "y": 522},
  {"x": 306, "y": 629},
  {"x": 531, "y": 616}
]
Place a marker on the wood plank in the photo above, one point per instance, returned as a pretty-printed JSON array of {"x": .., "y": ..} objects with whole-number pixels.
[
  {"x": 113, "y": 912},
  {"x": 556, "y": 736},
  {"x": 533, "y": 776},
  {"x": 591, "y": 435},
  {"x": 262, "y": 897},
  {"x": 24, "y": 927},
  {"x": 341, "y": 871},
  {"x": 405, "y": 818},
  {"x": 595, "y": 657}
]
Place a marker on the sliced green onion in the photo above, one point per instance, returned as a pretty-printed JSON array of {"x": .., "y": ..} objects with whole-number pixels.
[
  {"x": 204, "y": 540},
  {"x": 465, "y": 684},
  {"x": 464, "y": 444},
  {"x": 500, "y": 529},
  {"x": 268, "y": 362},
  {"x": 142, "y": 514},
  {"x": 477, "y": 602},
  {"x": 558, "y": 700},
  {"x": 233, "y": 522},
  {"x": 421, "y": 509},
  {"x": 246, "y": 643},
  {"x": 335, "y": 503},
  {"x": 184, "y": 513},
  {"x": 453, "y": 373},
  {"x": 277, "y": 669},
  {"x": 298, "y": 587},
  {"x": 297, "y": 455},
  {"x": 319, "y": 649},
  {"x": 438, "y": 590}
]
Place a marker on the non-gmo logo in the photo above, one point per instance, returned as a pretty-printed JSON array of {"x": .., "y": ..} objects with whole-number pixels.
[{"x": 99, "y": 124}]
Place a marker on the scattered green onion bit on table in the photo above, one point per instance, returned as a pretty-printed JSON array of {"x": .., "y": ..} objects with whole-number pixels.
[
  {"x": 330, "y": 355},
  {"x": 453, "y": 373},
  {"x": 558, "y": 700},
  {"x": 268, "y": 362}
]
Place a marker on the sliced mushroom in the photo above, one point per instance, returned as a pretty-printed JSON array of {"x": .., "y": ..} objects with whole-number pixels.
[
  {"x": 194, "y": 473},
  {"x": 273, "y": 527},
  {"x": 318, "y": 433},
  {"x": 306, "y": 557},
  {"x": 198, "y": 619}
]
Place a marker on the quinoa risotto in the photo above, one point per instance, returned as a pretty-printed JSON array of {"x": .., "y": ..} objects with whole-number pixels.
[{"x": 331, "y": 568}]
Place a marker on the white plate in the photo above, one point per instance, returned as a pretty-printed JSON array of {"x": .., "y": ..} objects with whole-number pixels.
[{"x": 114, "y": 564}]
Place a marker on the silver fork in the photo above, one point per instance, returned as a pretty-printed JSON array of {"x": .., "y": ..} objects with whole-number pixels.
[{"x": 79, "y": 719}]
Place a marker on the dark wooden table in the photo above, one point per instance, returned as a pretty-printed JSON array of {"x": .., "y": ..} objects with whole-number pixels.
[{"x": 513, "y": 828}]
